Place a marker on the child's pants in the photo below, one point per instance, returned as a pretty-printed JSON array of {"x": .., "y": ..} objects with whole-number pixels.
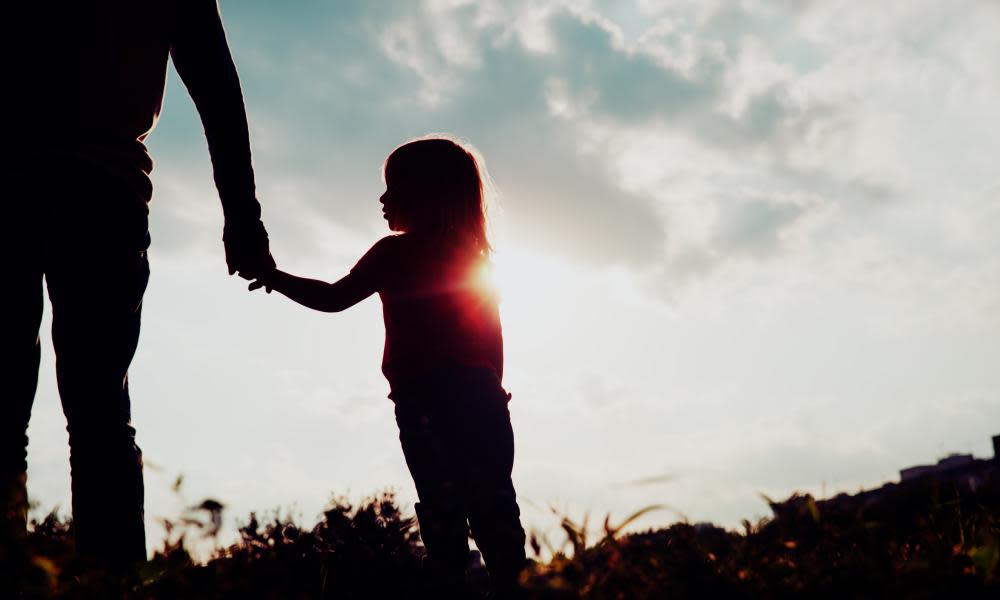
[{"x": 457, "y": 439}]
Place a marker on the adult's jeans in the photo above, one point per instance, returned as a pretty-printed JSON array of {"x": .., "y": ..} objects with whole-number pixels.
[
  {"x": 455, "y": 430},
  {"x": 83, "y": 230}
]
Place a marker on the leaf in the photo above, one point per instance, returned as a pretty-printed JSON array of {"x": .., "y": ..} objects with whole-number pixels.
[
  {"x": 536, "y": 547},
  {"x": 47, "y": 565},
  {"x": 812, "y": 508},
  {"x": 986, "y": 558},
  {"x": 653, "y": 480},
  {"x": 614, "y": 531}
]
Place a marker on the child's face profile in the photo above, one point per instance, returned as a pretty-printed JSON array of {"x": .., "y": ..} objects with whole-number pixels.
[{"x": 392, "y": 204}]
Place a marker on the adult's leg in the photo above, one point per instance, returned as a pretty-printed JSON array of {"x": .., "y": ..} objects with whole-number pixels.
[
  {"x": 96, "y": 270},
  {"x": 19, "y": 356}
]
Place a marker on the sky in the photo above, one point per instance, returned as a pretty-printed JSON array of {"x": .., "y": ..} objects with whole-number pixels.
[{"x": 745, "y": 248}]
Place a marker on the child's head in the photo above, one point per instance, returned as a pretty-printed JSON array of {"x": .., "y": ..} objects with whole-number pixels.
[{"x": 436, "y": 185}]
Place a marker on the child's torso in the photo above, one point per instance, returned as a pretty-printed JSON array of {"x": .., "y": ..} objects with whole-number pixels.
[{"x": 439, "y": 310}]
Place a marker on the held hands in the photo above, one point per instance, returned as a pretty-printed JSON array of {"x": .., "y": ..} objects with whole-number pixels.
[
  {"x": 264, "y": 280},
  {"x": 247, "y": 250},
  {"x": 248, "y": 254}
]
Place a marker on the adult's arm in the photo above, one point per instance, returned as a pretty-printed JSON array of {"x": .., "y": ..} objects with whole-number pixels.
[{"x": 202, "y": 59}]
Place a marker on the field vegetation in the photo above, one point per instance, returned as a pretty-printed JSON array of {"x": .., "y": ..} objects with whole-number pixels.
[{"x": 932, "y": 539}]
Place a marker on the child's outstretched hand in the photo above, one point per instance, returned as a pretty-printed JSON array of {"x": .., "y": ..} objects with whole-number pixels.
[{"x": 264, "y": 280}]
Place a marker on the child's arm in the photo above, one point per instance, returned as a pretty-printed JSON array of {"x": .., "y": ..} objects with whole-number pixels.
[{"x": 317, "y": 295}]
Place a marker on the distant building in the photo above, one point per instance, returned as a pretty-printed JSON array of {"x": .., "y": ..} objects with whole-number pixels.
[
  {"x": 963, "y": 471},
  {"x": 911, "y": 473},
  {"x": 952, "y": 461},
  {"x": 954, "y": 466}
]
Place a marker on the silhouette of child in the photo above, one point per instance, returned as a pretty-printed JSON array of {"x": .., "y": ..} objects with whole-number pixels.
[{"x": 443, "y": 354}]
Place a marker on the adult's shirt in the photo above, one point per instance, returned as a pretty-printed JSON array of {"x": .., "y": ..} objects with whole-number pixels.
[{"x": 91, "y": 77}]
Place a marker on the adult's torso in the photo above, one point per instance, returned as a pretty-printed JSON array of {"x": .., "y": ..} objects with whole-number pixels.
[{"x": 92, "y": 76}]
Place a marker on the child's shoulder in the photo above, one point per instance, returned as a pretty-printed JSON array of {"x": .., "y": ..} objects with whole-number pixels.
[
  {"x": 388, "y": 242},
  {"x": 409, "y": 241},
  {"x": 413, "y": 244},
  {"x": 389, "y": 248}
]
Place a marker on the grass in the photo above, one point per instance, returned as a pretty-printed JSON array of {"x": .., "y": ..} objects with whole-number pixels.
[{"x": 925, "y": 540}]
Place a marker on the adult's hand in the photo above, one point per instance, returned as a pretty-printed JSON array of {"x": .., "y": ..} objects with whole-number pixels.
[{"x": 247, "y": 250}]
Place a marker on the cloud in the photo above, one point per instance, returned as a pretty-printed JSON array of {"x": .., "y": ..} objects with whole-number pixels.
[
  {"x": 676, "y": 139},
  {"x": 755, "y": 227}
]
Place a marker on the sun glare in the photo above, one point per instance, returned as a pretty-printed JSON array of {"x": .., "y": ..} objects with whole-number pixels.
[{"x": 535, "y": 289}]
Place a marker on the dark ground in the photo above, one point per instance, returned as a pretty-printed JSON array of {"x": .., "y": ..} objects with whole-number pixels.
[{"x": 937, "y": 538}]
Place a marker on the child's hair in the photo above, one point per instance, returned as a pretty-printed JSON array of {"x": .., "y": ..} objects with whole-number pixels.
[{"x": 444, "y": 186}]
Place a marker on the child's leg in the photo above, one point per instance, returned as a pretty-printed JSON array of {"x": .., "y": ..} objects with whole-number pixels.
[
  {"x": 488, "y": 448},
  {"x": 441, "y": 512}
]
